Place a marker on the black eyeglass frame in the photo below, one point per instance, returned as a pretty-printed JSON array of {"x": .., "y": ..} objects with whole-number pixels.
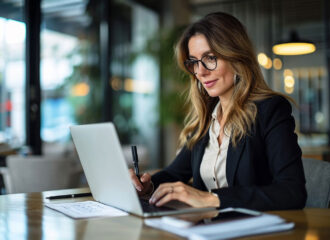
[{"x": 189, "y": 61}]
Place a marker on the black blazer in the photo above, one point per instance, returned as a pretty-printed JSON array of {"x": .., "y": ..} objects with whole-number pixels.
[{"x": 264, "y": 171}]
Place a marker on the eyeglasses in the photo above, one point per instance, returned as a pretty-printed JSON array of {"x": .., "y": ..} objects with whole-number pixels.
[{"x": 208, "y": 61}]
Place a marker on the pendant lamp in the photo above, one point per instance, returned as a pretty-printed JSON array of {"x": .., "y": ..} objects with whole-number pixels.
[{"x": 295, "y": 46}]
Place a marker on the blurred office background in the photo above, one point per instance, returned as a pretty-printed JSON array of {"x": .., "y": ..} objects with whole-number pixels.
[{"x": 66, "y": 62}]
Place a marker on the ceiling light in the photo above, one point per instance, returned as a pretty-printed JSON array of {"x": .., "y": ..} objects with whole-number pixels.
[
  {"x": 262, "y": 59},
  {"x": 288, "y": 90},
  {"x": 294, "y": 46},
  {"x": 277, "y": 63},
  {"x": 289, "y": 81},
  {"x": 287, "y": 72},
  {"x": 269, "y": 63}
]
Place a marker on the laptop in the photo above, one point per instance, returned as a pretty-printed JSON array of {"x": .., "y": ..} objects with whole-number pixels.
[{"x": 106, "y": 171}]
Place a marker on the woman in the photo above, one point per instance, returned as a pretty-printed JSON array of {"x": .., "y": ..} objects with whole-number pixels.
[{"x": 238, "y": 143}]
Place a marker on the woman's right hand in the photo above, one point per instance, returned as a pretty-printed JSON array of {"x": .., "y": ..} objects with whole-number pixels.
[{"x": 144, "y": 185}]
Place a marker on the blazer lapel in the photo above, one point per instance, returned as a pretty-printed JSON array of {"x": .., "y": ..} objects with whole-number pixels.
[{"x": 233, "y": 158}]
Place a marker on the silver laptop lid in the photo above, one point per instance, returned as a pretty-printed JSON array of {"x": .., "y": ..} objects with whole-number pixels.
[{"x": 106, "y": 170}]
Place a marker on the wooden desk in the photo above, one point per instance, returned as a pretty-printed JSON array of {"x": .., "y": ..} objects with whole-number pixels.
[{"x": 23, "y": 216}]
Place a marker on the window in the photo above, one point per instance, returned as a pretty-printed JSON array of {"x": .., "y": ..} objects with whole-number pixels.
[
  {"x": 63, "y": 48},
  {"x": 12, "y": 78}
]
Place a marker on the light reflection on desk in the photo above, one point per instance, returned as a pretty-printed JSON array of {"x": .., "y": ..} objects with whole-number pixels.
[
  {"x": 112, "y": 228},
  {"x": 55, "y": 227},
  {"x": 311, "y": 235},
  {"x": 14, "y": 224},
  {"x": 24, "y": 216}
]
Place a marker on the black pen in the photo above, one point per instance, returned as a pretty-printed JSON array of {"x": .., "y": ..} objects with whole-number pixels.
[
  {"x": 75, "y": 195},
  {"x": 135, "y": 161}
]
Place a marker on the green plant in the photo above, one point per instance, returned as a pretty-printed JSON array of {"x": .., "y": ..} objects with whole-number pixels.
[{"x": 174, "y": 82}]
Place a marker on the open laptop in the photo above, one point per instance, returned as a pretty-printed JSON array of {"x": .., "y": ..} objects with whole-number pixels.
[{"x": 106, "y": 170}]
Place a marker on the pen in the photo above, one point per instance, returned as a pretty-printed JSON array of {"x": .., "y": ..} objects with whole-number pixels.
[
  {"x": 135, "y": 161},
  {"x": 70, "y": 196}
]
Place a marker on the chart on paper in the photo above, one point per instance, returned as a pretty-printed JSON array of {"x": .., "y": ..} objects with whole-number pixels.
[{"x": 86, "y": 209}]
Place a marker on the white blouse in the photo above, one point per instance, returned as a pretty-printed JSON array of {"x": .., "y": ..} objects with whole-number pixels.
[{"x": 213, "y": 166}]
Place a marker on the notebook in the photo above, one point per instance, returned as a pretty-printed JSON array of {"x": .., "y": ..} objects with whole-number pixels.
[
  {"x": 106, "y": 171},
  {"x": 227, "y": 223}
]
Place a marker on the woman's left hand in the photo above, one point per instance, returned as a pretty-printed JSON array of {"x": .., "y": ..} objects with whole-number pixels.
[{"x": 183, "y": 193}]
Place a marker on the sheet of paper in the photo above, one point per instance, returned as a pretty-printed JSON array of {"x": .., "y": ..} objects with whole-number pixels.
[{"x": 86, "y": 209}]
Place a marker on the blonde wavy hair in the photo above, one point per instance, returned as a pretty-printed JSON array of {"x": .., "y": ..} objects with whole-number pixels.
[{"x": 229, "y": 41}]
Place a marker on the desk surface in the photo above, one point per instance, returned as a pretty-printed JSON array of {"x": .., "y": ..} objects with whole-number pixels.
[{"x": 24, "y": 216}]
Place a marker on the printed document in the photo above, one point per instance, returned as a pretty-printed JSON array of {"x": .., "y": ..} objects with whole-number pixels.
[{"x": 86, "y": 209}]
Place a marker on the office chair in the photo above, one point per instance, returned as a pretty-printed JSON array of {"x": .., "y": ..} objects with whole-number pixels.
[
  {"x": 317, "y": 174},
  {"x": 36, "y": 173}
]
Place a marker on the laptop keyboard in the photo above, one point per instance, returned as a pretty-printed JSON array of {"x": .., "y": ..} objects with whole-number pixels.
[{"x": 152, "y": 208}]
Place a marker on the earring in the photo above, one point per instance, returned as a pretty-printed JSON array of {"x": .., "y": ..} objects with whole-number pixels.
[
  {"x": 236, "y": 78},
  {"x": 199, "y": 85}
]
